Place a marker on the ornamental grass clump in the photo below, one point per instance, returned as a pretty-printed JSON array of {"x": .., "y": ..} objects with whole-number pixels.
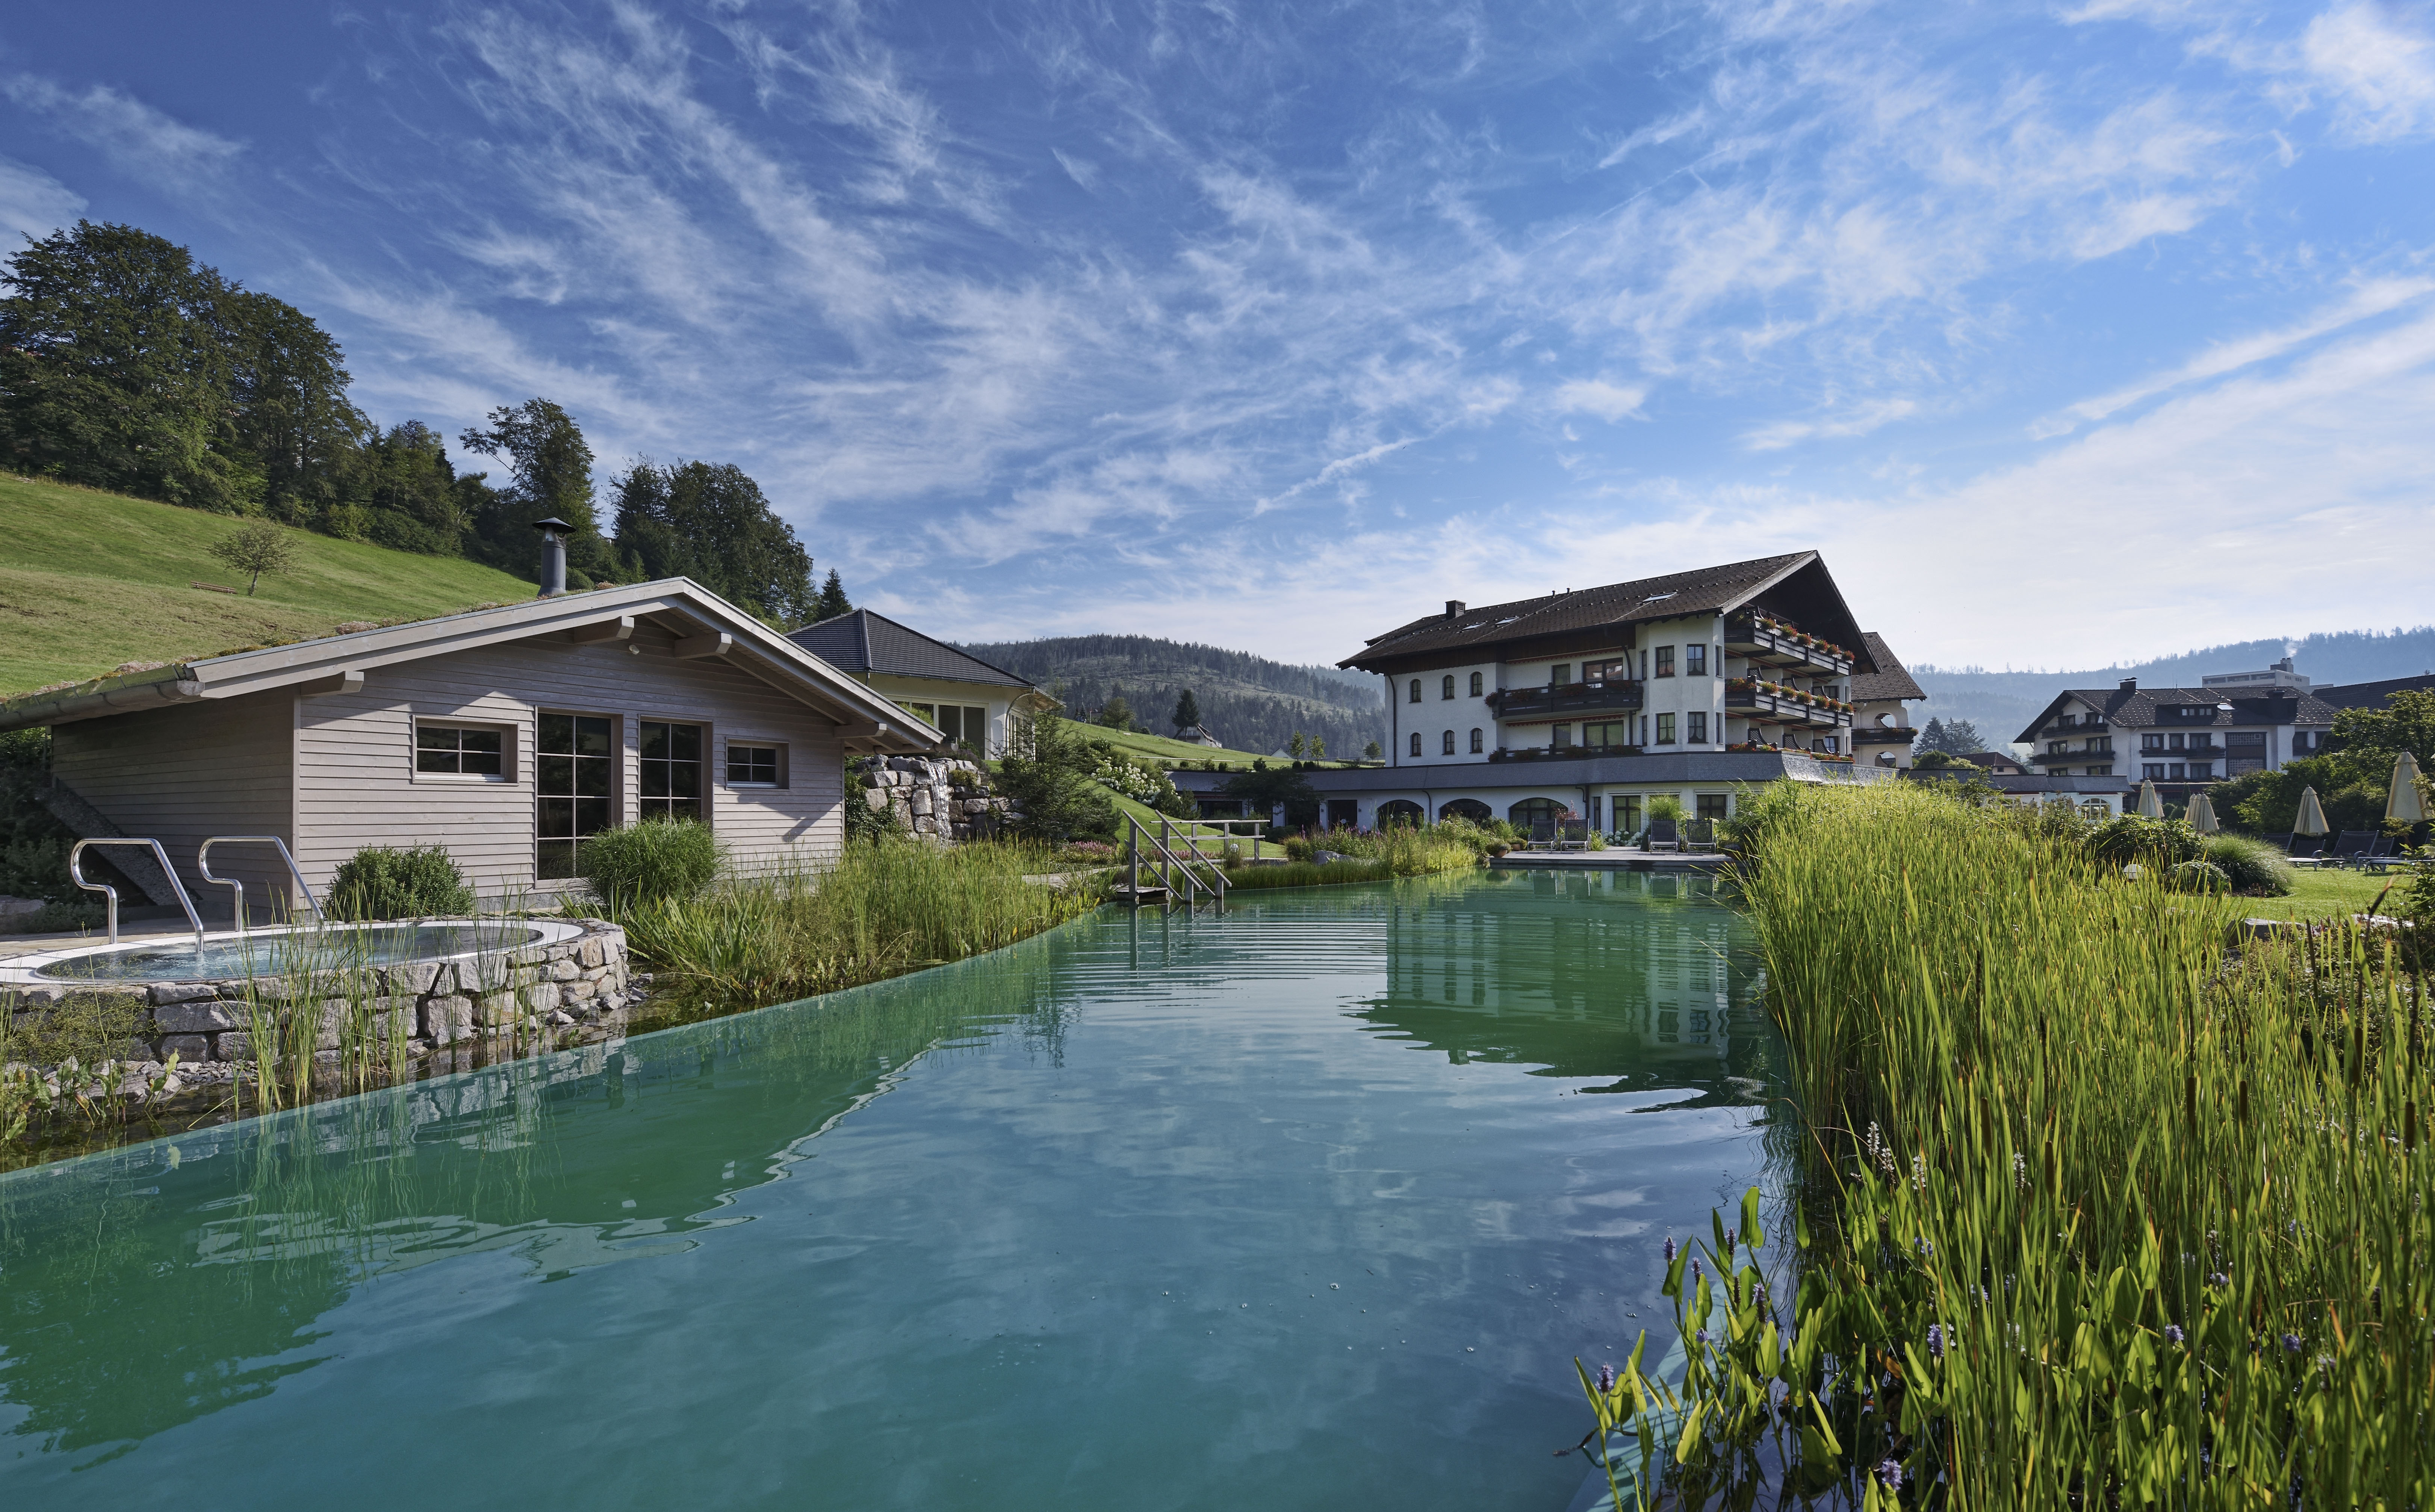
[
  {"x": 2166, "y": 1205},
  {"x": 883, "y": 910},
  {"x": 658, "y": 860}
]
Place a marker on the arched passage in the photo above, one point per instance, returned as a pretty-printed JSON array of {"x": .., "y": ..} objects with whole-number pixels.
[
  {"x": 1401, "y": 811},
  {"x": 1466, "y": 808},
  {"x": 1536, "y": 816}
]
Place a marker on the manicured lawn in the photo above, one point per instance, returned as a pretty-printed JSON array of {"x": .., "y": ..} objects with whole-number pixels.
[
  {"x": 89, "y": 580},
  {"x": 1162, "y": 749},
  {"x": 2327, "y": 894}
]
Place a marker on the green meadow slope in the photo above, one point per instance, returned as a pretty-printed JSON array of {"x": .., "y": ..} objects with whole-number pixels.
[{"x": 92, "y": 580}]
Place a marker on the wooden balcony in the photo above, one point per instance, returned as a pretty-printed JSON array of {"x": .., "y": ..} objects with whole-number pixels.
[
  {"x": 1768, "y": 703},
  {"x": 1572, "y": 700},
  {"x": 1772, "y": 643}
]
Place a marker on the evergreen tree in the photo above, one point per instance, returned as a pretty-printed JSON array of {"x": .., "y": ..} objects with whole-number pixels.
[
  {"x": 1115, "y": 713},
  {"x": 413, "y": 493},
  {"x": 711, "y": 523},
  {"x": 291, "y": 423},
  {"x": 1294, "y": 746},
  {"x": 833, "y": 601},
  {"x": 113, "y": 369},
  {"x": 1932, "y": 738},
  {"x": 549, "y": 472},
  {"x": 1187, "y": 711},
  {"x": 1956, "y": 737}
]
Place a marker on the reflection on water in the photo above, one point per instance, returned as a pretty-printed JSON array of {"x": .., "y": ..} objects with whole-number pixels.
[{"x": 1064, "y": 1206}]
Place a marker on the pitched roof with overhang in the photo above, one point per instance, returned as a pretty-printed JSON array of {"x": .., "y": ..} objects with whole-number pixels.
[
  {"x": 2137, "y": 708},
  {"x": 1890, "y": 681},
  {"x": 1795, "y": 587},
  {"x": 865, "y": 642},
  {"x": 706, "y": 626}
]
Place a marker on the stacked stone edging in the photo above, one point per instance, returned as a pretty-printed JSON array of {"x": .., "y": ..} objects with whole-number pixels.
[
  {"x": 927, "y": 798},
  {"x": 581, "y": 979}
]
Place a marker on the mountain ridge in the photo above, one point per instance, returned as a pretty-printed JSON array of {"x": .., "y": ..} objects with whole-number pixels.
[{"x": 1250, "y": 702}]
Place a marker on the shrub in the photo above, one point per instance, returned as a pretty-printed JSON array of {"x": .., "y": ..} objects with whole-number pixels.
[
  {"x": 2252, "y": 866},
  {"x": 657, "y": 860},
  {"x": 2131, "y": 837},
  {"x": 1053, "y": 786},
  {"x": 380, "y": 881},
  {"x": 2198, "y": 876}
]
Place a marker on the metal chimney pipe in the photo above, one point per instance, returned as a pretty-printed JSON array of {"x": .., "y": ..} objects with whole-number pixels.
[{"x": 554, "y": 532}]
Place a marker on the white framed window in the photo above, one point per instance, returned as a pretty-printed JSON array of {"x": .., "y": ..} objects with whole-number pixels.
[
  {"x": 454, "y": 751},
  {"x": 756, "y": 763}
]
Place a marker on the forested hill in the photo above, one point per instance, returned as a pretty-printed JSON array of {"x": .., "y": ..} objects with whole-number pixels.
[
  {"x": 1248, "y": 701},
  {"x": 2002, "y": 703}
]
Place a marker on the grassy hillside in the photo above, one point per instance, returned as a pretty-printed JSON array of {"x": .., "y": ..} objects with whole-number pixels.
[
  {"x": 1251, "y": 703},
  {"x": 90, "y": 580},
  {"x": 1161, "y": 749}
]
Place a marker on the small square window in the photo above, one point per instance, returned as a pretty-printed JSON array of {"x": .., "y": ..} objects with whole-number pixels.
[
  {"x": 752, "y": 766},
  {"x": 458, "y": 750},
  {"x": 1561, "y": 674}
]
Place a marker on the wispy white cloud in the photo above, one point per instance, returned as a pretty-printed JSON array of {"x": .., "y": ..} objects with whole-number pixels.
[
  {"x": 2378, "y": 66},
  {"x": 1598, "y": 396},
  {"x": 137, "y": 139},
  {"x": 1856, "y": 420},
  {"x": 2372, "y": 298},
  {"x": 32, "y": 203}
]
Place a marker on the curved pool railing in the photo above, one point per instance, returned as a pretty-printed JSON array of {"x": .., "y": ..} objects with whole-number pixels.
[
  {"x": 204, "y": 865},
  {"x": 76, "y": 873}
]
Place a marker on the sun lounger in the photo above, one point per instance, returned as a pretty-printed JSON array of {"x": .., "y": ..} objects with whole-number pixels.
[
  {"x": 1664, "y": 835},
  {"x": 1702, "y": 834},
  {"x": 2305, "y": 849},
  {"x": 2350, "y": 846}
]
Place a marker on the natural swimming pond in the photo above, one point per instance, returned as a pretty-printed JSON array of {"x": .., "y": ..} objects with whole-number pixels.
[{"x": 1306, "y": 1206}]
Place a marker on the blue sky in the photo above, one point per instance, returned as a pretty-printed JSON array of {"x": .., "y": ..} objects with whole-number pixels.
[{"x": 2069, "y": 333}]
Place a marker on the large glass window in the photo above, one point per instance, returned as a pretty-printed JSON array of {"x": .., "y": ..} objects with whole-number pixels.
[
  {"x": 1610, "y": 732},
  {"x": 455, "y": 750},
  {"x": 670, "y": 775},
  {"x": 575, "y": 776}
]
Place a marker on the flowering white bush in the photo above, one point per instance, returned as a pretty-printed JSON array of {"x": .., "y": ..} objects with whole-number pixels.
[{"x": 1138, "y": 782}]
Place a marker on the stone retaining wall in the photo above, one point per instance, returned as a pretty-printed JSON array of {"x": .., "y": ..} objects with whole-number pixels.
[
  {"x": 947, "y": 799},
  {"x": 581, "y": 979}
]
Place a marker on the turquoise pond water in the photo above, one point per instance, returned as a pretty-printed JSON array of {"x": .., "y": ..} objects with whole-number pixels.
[{"x": 1306, "y": 1206}]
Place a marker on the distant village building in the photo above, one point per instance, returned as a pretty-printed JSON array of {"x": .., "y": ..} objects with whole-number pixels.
[{"x": 2232, "y": 723}]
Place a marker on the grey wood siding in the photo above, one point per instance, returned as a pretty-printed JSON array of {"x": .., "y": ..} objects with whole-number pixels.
[
  {"x": 182, "y": 775},
  {"x": 356, "y": 784}
]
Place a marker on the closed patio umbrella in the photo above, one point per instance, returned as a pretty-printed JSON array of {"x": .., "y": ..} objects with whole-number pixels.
[
  {"x": 2312, "y": 815},
  {"x": 2403, "y": 805},
  {"x": 2150, "y": 806},
  {"x": 2203, "y": 813}
]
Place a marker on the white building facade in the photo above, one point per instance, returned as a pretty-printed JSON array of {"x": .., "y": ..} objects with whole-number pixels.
[{"x": 1581, "y": 707}]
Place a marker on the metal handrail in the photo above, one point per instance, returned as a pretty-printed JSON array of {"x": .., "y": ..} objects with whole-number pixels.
[
  {"x": 76, "y": 873},
  {"x": 204, "y": 865},
  {"x": 1193, "y": 885}
]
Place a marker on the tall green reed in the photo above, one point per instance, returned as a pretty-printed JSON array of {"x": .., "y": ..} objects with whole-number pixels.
[
  {"x": 881, "y": 909},
  {"x": 2106, "y": 1215}
]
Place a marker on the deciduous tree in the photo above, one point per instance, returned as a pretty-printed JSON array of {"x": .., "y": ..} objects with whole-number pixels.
[{"x": 254, "y": 549}]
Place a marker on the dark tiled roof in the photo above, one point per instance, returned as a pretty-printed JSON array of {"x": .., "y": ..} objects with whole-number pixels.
[
  {"x": 2136, "y": 708},
  {"x": 864, "y": 641},
  {"x": 2371, "y": 695},
  {"x": 1891, "y": 680},
  {"x": 1706, "y": 591}
]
